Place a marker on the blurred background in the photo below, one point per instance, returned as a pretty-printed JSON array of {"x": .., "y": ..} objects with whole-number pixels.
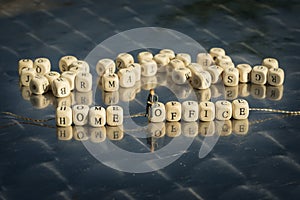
[{"x": 263, "y": 163}]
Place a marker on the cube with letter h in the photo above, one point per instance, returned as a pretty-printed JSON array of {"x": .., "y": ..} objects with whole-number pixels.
[
  {"x": 97, "y": 116},
  {"x": 114, "y": 115},
  {"x": 63, "y": 116},
  {"x": 190, "y": 111},
  {"x": 157, "y": 112},
  {"x": 173, "y": 111}
]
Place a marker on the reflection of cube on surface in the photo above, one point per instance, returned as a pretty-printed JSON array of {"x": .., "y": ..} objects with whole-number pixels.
[
  {"x": 173, "y": 129},
  {"x": 224, "y": 128},
  {"x": 190, "y": 111},
  {"x": 115, "y": 132},
  {"x": 157, "y": 112},
  {"x": 40, "y": 101},
  {"x": 258, "y": 91},
  {"x": 275, "y": 93},
  {"x": 80, "y": 133},
  {"x": 64, "y": 101},
  {"x": 207, "y": 129},
  {"x": 97, "y": 116},
  {"x": 240, "y": 127},
  {"x": 127, "y": 94},
  {"x": 85, "y": 98},
  {"x": 110, "y": 98},
  {"x": 156, "y": 129},
  {"x": 231, "y": 93},
  {"x": 64, "y": 133},
  {"x": 97, "y": 135},
  {"x": 149, "y": 82},
  {"x": 189, "y": 129},
  {"x": 114, "y": 115},
  {"x": 173, "y": 111},
  {"x": 64, "y": 116}
]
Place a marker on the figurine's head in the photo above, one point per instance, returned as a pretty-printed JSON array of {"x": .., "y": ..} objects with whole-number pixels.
[{"x": 152, "y": 91}]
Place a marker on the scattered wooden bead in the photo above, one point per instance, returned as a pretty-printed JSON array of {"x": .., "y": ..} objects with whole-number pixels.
[
  {"x": 157, "y": 112},
  {"x": 80, "y": 114},
  {"x": 137, "y": 71},
  {"x": 24, "y": 63},
  {"x": 206, "y": 111},
  {"x": 162, "y": 61},
  {"x": 114, "y": 115},
  {"x": 105, "y": 65},
  {"x": 170, "y": 53},
  {"x": 184, "y": 57},
  {"x": 201, "y": 80},
  {"x": 42, "y": 65},
  {"x": 226, "y": 64},
  {"x": 275, "y": 76},
  {"x": 123, "y": 60},
  {"x": 26, "y": 75},
  {"x": 231, "y": 77},
  {"x": 39, "y": 84},
  {"x": 126, "y": 77},
  {"x": 65, "y": 62},
  {"x": 223, "y": 110},
  {"x": 180, "y": 75},
  {"x": 80, "y": 66},
  {"x": 60, "y": 87},
  {"x": 190, "y": 111},
  {"x": 259, "y": 75},
  {"x": 240, "y": 109},
  {"x": 205, "y": 60},
  {"x": 194, "y": 68},
  {"x": 97, "y": 116},
  {"x": 144, "y": 55},
  {"x": 148, "y": 67},
  {"x": 64, "y": 116},
  {"x": 110, "y": 82},
  {"x": 174, "y": 64},
  {"x": 215, "y": 52},
  {"x": 51, "y": 76},
  {"x": 70, "y": 77},
  {"x": 83, "y": 82},
  {"x": 215, "y": 71},
  {"x": 173, "y": 111},
  {"x": 270, "y": 63},
  {"x": 222, "y": 58},
  {"x": 244, "y": 72}
]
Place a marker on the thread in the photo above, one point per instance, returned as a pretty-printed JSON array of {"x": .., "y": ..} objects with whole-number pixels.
[{"x": 275, "y": 111}]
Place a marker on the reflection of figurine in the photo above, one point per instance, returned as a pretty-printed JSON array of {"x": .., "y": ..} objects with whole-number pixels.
[
  {"x": 152, "y": 142},
  {"x": 152, "y": 98}
]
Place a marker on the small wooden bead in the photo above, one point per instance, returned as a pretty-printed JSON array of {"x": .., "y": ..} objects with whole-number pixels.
[
  {"x": 207, "y": 129},
  {"x": 244, "y": 72},
  {"x": 70, "y": 77},
  {"x": 184, "y": 57},
  {"x": 148, "y": 67},
  {"x": 240, "y": 109},
  {"x": 224, "y": 127},
  {"x": 39, "y": 84},
  {"x": 173, "y": 129},
  {"x": 215, "y": 72},
  {"x": 189, "y": 129},
  {"x": 97, "y": 116},
  {"x": 170, "y": 53},
  {"x": 26, "y": 75},
  {"x": 115, "y": 133},
  {"x": 194, "y": 68},
  {"x": 105, "y": 65},
  {"x": 110, "y": 98},
  {"x": 274, "y": 93},
  {"x": 144, "y": 55},
  {"x": 80, "y": 66},
  {"x": 174, "y": 64},
  {"x": 80, "y": 133},
  {"x": 258, "y": 91},
  {"x": 137, "y": 71},
  {"x": 180, "y": 75},
  {"x": 123, "y": 60},
  {"x": 190, "y": 111},
  {"x": 173, "y": 111},
  {"x": 83, "y": 82},
  {"x": 231, "y": 77},
  {"x": 64, "y": 133},
  {"x": 201, "y": 80},
  {"x": 223, "y": 110},
  {"x": 275, "y": 76},
  {"x": 24, "y": 63},
  {"x": 64, "y": 116},
  {"x": 126, "y": 77},
  {"x": 157, "y": 112},
  {"x": 114, "y": 115},
  {"x": 61, "y": 87},
  {"x": 270, "y": 63},
  {"x": 226, "y": 65},
  {"x": 223, "y": 58},
  {"x": 85, "y": 98},
  {"x": 97, "y": 135},
  {"x": 65, "y": 63},
  {"x": 80, "y": 114},
  {"x": 259, "y": 75},
  {"x": 162, "y": 61},
  {"x": 51, "y": 76},
  {"x": 205, "y": 60},
  {"x": 206, "y": 111},
  {"x": 156, "y": 129},
  {"x": 110, "y": 82},
  {"x": 215, "y": 52},
  {"x": 240, "y": 127},
  {"x": 42, "y": 65}
]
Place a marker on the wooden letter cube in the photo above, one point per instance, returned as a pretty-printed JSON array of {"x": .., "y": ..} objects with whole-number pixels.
[
  {"x": 231, "y": 77},
  {"x": 123, "y": 60},
  {"x": 126, "y": 77},
  {"x": 215, "y": 52},
  {"x": 42, "y": 65},
  {"x": 65, "y": 63},
  {"x": 61, "y": 87},
  {"x": 39, "y": 84},
  {"x": 70, "y": 77},
  {"x": 223, "y": 59},
  {"x": 114, "y": 115},
  {"x": 149, "y": 67},
  {"x": 201, "y": 80},
  {"x": 194, "y": 68},
  {"x": 206, "y": 111},
  {"x": 25, "y": 63},
  {"x": 105, "y": 65},
  {"x": 259, "y": 75},
  {"x": 145, "y": 55},
  {"x": 240, "y": 109},
  {"x": 244, "y": 71},
  {"x": 180, "y": 75},
  {"x": 275, "y": 76},
  {"x": 173, "y": 111},
  {"x": 226, "y": 64},
  {"x": 64, "y": 116},
  {"x": 26, "y": 75},
  {"x": 185, "y": 58},
  {"x": 110, "y": 82},
  {"x": 170, "y": 53},
  {"x": 80, "y": 114},
  {"x": 97, "y": 116},
  {"x": 80, "y": 66},
  {"x": 270, "y": 63},
  {"x": 83, "y": 82},
  {"x": 162, "y": 61},
  {"x": 174, "y": 64},
  {"x": 223, "y": 110},
  {"x": 190, "y": 111},
  {"x": 215, "y": 71},
  {"x": 51, "y": 76},
  {"x": 205, "y": 60},
  {"x": 137, "y": 71},
  {"x": 157, "y": 112}
]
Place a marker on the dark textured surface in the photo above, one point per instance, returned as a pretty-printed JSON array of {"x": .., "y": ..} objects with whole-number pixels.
[{"x": 264, "y": 164}]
